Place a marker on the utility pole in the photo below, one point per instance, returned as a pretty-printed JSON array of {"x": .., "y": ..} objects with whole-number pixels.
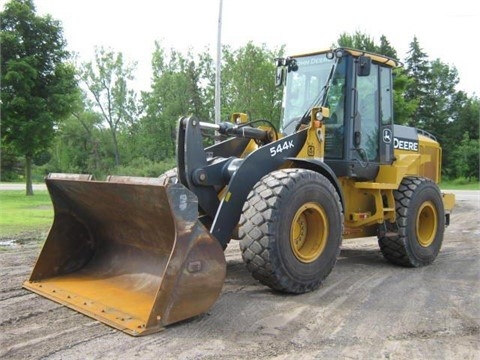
[{"x": 219, "y": 65}]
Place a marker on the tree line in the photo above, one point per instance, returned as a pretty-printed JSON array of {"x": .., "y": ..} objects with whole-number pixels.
[{"x": 60, "y": 116}]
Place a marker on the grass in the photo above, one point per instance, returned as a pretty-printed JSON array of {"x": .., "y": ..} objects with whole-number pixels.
[
  {"x": 20, "y": 213},
  {"x": 459, "y": 185}
]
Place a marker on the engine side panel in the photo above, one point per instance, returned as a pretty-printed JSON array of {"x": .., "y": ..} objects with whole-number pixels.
[{"x": 419, "y": 150}]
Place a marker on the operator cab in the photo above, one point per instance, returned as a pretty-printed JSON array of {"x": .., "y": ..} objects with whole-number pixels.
[{"x": 357, "y": 88}]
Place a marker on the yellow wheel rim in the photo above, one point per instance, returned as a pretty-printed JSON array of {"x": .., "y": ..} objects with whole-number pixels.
[
  {"x": 427, "y": 223},
  {"x": 309, "y": 232}
]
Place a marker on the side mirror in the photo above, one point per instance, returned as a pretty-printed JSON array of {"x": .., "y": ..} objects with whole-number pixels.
[{"x": 364, "y": 64}]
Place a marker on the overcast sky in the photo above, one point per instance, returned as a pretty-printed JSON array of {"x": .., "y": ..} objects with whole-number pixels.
[{"x": 445, "y": 30}]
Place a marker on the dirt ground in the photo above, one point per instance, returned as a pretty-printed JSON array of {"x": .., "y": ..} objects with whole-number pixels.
[{"x": 366, "y": 309}]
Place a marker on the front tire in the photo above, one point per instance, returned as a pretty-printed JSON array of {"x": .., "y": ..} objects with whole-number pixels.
[
  {"x": 291, "y": 230},
  {"x": 420, "y": 221}
]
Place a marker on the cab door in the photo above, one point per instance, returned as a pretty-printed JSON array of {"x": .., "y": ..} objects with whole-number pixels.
[
  {"x": 373, "y": 121},
  {"x": 365, "y": 154}
]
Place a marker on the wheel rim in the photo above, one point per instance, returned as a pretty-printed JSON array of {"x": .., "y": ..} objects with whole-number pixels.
[
  {"x": 427, "y": 223},
  {"x": 308, "y": 234}
]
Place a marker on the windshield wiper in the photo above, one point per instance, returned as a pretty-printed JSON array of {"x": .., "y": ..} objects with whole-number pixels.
[{"x": 321, "y": 96}]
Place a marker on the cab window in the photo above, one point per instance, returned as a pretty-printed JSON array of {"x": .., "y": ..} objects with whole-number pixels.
[{"x": 367, "y": 113}]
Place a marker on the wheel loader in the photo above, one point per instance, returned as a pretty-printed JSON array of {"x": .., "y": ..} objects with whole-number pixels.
[{"x": 141, "y": 253}]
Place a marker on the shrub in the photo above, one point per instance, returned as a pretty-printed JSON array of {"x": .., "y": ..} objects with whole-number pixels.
[{"x": 144, "y": 167}]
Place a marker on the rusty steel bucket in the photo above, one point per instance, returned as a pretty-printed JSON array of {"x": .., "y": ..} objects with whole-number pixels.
[{"x": 128, "y": 252}]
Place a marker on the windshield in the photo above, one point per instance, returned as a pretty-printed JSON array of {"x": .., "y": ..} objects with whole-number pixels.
[{"x": 304, "y": 89}]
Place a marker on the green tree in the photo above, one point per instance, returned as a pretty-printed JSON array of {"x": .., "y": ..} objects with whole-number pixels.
[
  {"x": 464, "y": 117},
  {"x": 107, "y": 80},
  {"x": 441, "y": 109},
  {"x": 403, "y": 108},
  {"x": 438, "y": 106},
  {"x": 182, "y": 85},
  {"x": 37, "y": 84},
  {"x": 79, "y": 146},
  {"x": 248, "y": 82},
  {"x": 385, "y": 48},
  {"x": 467, "y": 157},
  {"x": 465, "y": 111},
  {"x": 442, "y": 80},
  {"x": 358, "y": 40},
  {"x": 418, "y": 69},
  {"x": 11, "y": 164}
]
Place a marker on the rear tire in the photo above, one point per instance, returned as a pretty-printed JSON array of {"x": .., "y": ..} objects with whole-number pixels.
[
  {"x": 420, "y": 221},
  {"x": 291, "y": 230}
]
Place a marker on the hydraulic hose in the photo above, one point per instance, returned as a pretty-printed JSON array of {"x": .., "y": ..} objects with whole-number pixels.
[{"x": 226, "y": 128}]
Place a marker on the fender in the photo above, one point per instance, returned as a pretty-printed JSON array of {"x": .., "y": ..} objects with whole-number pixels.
[
  {"x": 259, "y": 163},
  {"x": 322, "y": 168}
]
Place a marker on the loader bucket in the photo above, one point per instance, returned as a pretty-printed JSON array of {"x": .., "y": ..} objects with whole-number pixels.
[{"x": 128, "y": 252}]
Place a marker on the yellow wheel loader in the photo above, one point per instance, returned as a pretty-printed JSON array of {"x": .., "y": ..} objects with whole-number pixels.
[{"x": 142, "y": 253}]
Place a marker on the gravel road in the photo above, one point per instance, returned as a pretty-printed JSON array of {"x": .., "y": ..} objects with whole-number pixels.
[{"x": 366, "y": 309}]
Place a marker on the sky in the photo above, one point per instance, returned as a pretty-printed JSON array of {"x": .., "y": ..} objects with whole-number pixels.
[{"x": 445, "y": 30}]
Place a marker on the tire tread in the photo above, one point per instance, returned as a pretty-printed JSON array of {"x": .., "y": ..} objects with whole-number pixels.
[{"x": 261, "y": 205}]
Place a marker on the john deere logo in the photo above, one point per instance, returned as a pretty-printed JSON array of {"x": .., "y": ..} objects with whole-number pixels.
[
  {"x": 387, "y": 136},
  {"x": 405, "y": 144}
]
